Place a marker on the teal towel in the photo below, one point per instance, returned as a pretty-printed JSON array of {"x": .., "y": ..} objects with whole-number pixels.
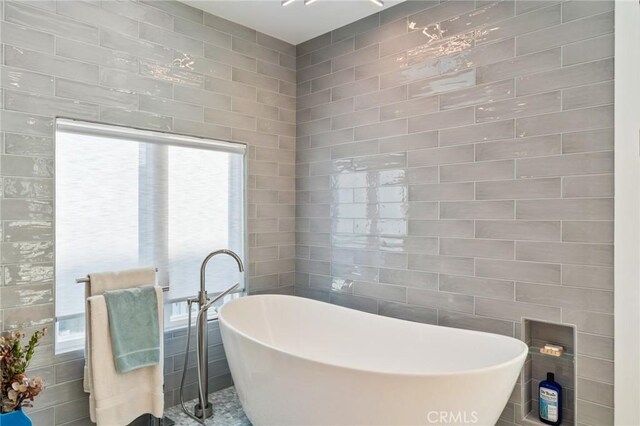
[{"x": 134, "y": 328}]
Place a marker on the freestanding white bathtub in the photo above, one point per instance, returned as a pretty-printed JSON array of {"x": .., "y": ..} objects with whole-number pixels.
[{"x": 300, "y": 362}]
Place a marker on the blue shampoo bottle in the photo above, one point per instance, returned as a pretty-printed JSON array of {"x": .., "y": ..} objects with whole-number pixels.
[{"x": 550, "y": 397}]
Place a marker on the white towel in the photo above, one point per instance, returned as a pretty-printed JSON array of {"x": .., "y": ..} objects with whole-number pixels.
[
  {"x": 98, "y": 284},
  {"x": 118, "y": 399}
]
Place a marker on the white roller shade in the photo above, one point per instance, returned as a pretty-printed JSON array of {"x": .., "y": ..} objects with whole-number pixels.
[{"x": 127, "y": 198}]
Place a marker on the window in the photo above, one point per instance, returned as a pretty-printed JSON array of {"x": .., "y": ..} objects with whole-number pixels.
[{"x": 128, "y": 198}]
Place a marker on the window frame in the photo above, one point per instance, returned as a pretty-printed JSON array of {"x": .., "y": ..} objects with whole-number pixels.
[{"x": 160, "y": 138}]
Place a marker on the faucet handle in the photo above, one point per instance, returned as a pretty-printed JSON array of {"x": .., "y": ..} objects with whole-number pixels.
[{"x": 219, "y": 296}]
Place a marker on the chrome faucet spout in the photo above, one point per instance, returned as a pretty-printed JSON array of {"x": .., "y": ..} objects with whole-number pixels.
[{"x": 210, "y": 256}]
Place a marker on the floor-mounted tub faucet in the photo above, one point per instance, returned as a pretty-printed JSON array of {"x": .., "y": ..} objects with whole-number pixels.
[{"x": 203, "y": 409}]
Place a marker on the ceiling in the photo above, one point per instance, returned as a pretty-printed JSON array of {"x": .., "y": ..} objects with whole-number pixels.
[{"x": 296, "y": 22}]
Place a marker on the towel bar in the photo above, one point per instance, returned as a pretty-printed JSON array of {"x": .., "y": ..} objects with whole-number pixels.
[{"x": 87, "y": 280}]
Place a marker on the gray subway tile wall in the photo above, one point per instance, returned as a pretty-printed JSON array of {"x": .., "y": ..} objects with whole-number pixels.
[
  {"x": 455, "y": 166},
  {"x": 158, "y": 65},
  {"x": 442, "y": 162}
]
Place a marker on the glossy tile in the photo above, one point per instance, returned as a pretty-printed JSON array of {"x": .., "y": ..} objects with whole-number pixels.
[
  {"x": 331, "y": 51},
  {"x": 443, "y": 84},
  {"x": 566, "y": 165},
  {"x": 408, "y": 312},
  {"x": 137, "y": 84},
  {"x": 518, "y": 230},
  {"x": 483, "y": 287},
  {"x": 588, "y": 186},
  {"x": 358, "y": 57},
  {"x": 140, "y": 12},
  {"x": 519, "y": 189},
  {"x": 408, "y": 142},
  {"x": 462, "y": 60},
  {"x": 520, "y": 24},
  {"x": 477, "y": 133},
  {"x": 55, "y": 65},
  {"x": 444, "y": 155},
  {"x": 49, "y": 105},
  {"x": 21, "y": 13},
  {"x": 585, "y": 141},
  {"x": 567, "y": 209},
  {"x": 477, "y": 209},
  {"x": 566, "y": 253},
  {"x": 89, "y": 13},
  {"x": 94, "y": 93},
  {"x": 438, "y": 192},
  {"x": 566, "y": 33},
  {"x": 523, "y": 106},
  {"x": 440, "y": 12},
  {"x": 383, "y": 32},
  {"x": 177, "y": 9},
  {"x": 592, "y": 95},
  {"x": 576, "y": 75},
  {"x": 358, "y": 87},
  {"x": 565, "y": 297},
  {"x": 409, "y": 108},
  {"x": 477, "y": 248},
  {"x": 520, "y": 65},
  {"x": 588, "y": 50},
  {"x": 444, "y": 119},
  {"x": 18, "y": 79},
  {"x": 478, "y": 94},
  {"x": 141, "y": 48},
  {"x": 97, "y": 55},
  {"x": 418, "y": 279},
  {"x": 564, "y": 122},
  {"x": 205, "y": 33},
  {"x": 28, "y": 38},
  {"x": 473, "y": 322},
  {"x": 440, "y": 300},
  {"x": 477, "y": 172},
  {"x": 588, "y": 276},
  {"x": 518, "y": 270},
  {"x": 537, "y": 146}
]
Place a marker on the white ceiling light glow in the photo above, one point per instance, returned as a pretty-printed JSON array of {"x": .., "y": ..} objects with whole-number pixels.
[
  {"x": 294, "y": 23},
  {"x": 308, "y": 2}
]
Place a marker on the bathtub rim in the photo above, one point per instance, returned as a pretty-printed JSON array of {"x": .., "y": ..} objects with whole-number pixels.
[{"x": 495, "y": 367}]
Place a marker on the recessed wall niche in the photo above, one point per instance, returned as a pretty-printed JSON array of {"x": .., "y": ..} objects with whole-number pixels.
[{"x": 536, "y": 334}]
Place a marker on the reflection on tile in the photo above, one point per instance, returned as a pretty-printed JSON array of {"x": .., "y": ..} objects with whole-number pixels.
[
  {"x": 18, "y": 79},
  {"x": 519, "y": 107},
  {"x": 519, "y": 66},
  {"x": 55, "y": 65},
  {"x": 477, "y": 94},
  {"x": 22, "y": 14},
  {"x": 171, "y": 73},
  {"x": 463, "y": 60}
]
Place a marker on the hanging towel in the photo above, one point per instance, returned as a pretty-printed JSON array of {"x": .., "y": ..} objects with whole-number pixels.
[
  {"x": 98, "y": 284},
  {"x": 133, "y": 326},
  {"x": 118, "y": 399}
]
